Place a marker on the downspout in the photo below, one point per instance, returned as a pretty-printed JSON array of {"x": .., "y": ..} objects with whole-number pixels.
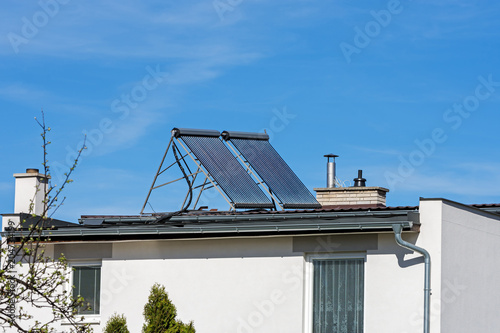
[{"x": 398, "y": 228}]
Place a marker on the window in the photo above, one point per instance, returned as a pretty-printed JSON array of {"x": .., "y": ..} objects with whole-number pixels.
[
  {"x": 87, "y": 283},
  {"x": 336, "y": 295}
]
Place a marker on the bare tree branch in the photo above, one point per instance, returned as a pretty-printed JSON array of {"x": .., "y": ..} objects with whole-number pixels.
[{"x": 29, "y": 278}]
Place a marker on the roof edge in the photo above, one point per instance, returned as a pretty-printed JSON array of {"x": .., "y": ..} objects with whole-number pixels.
[{"x": 471, "y": 208}]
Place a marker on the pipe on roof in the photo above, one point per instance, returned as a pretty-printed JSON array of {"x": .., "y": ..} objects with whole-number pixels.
[
  {"x": 409, "y": 214},
  {"x": 227, "y": 135},
  {"x": 398, "y": 228},
  {"x": 178, "y": 132}
]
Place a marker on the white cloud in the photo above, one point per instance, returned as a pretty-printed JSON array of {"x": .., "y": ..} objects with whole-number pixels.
[
  {"x": 125, "y": 133},
  {"x": 486, "y": 168},
  {"x": 387, "y": 151},
  {"x": 21, "y": 92},
  {"x": 124, "y": 28},
  {"x": 450, "y": 182}
]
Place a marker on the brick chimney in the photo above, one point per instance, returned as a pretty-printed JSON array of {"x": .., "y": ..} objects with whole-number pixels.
[
  {"x": 357, "y": 195},
  {"x": 30, "y": 192},
  {"x": 351, "y": 196}
]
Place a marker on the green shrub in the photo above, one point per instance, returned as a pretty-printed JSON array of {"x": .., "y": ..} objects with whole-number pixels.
[
  {"x": 116, "y": 324},
  {"x": 160, "y": 312},
  {"x": 186, "y": 328}
]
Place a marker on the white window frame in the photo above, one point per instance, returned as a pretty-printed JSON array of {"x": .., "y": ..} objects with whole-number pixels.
[
  {"x": 87, "y": 318},
  {"x": 309, "y": 279}
]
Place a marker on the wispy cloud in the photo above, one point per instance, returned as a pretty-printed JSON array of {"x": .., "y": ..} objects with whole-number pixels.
[
  {"x": 450, "y": 20},
  {"x": 463, "y": 182},
  {"x": 156, "y": 109},
  {"x": 388, "y": 151},
  {"x": 126, "y": 133},
  {"x": 106, "y": 28},
  {"x": 486, "y": 168},
  {"x": 21, "y": 92},
  {"x": 263, "y": 54}
]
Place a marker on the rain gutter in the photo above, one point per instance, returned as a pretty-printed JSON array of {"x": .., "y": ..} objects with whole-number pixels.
[
  {"x": 398, "y": 228},
  {"x": 202, "y": 230}
]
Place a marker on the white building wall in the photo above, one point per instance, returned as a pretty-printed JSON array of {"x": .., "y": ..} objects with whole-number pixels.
[
  {"x": 41, "y": 314},
  {"x": 393, "y": 292},
  {"x": 230, "y": 285},
  {"x": 251, "y": 285},
  {"x": 430, "y": 238},
  {"x": 257, "y": 285},
  {"x": 395, "y": 279},
  {"x": 471, "y": 267},
  {"x": 6, "y": 218}
]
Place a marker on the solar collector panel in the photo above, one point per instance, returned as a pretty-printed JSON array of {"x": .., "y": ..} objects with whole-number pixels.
[
  {"x": 226, "y": 170},
  {"x": 273, "y": 170}
]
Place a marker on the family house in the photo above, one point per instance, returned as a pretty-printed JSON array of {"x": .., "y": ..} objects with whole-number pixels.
[{"x": 352, "y": 264}]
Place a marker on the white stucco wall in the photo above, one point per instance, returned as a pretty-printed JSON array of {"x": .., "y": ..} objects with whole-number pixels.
[
  {"x": 257, "y": 285},
  {"x": 394, "y": 288},
  {"x": 470, "y": 270},
  {"x": 230, "y": 285},
  {"x": 247, "y": 285},
  {"x": 250, "y": 285},
  {"x": 395, "y": 279}
]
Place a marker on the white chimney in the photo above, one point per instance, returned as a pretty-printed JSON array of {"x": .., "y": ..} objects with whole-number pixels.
[{"x": 30, "y": 192}]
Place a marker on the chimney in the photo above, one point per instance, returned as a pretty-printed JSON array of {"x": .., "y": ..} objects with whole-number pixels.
[
  {"x": 359, "y": 195},
  {"x": 330, "y": 170},
  {"x": 360, "y": 181},
  {"x": 30, "y": 192}
]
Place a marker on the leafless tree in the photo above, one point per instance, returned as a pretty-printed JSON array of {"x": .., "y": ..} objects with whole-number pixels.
[{"x": 30, "y": 280}]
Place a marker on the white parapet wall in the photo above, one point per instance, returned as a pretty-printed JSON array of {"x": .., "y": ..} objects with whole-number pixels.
[{"x": 470, "y": 270}]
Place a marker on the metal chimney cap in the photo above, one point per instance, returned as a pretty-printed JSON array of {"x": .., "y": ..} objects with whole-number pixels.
[
  {"x": 360, "y": 181},
  {"x": 328, "y": 156}
]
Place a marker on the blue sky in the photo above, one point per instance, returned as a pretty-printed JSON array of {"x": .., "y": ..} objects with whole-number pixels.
[{"x": 408, "y": 91}]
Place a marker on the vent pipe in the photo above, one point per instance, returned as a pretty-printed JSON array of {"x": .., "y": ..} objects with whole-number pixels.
[
  {"x": 330, "y": 170},
  {"x": 360, "y": 181}
]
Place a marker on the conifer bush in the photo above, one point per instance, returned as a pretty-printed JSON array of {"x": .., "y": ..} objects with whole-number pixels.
[
  {"x": 116, "y": 324},
  {"x": 160, "y": 312}
]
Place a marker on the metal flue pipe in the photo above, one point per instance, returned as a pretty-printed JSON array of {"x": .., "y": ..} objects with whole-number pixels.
[{"x": 330, "y": 170}]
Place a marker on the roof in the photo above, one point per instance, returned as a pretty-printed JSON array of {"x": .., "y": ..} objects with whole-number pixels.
[
  {"x": 206, "y": 224},
  {"x": 31, "y": 219},
  {"x": 492, "y": 208},
  {"x": 324, "y": 209}
]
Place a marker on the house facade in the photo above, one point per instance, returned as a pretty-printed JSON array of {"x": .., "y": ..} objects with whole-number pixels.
[{"x": 333, "y": 269}]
